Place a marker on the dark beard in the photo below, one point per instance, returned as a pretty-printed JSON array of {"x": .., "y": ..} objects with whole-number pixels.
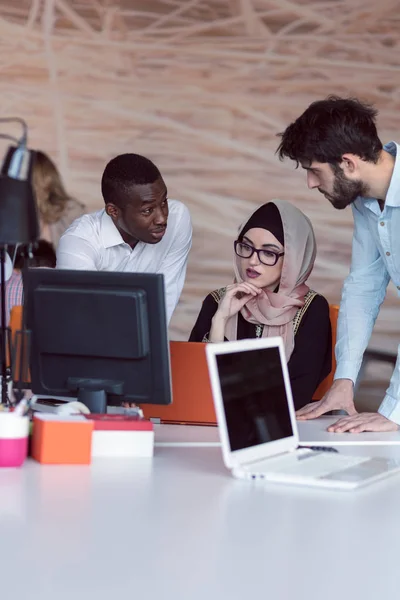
[{"x": 345, "y": 191}]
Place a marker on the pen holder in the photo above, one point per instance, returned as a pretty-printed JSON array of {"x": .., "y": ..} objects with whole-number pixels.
[{"x": 14, "y": 433}]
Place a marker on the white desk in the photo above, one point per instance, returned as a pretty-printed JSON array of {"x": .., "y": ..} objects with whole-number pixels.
[
  {"x": 315, "y": 431},
  {"x": 311, "y": 432},
  {"x": 179, "y": 527}
]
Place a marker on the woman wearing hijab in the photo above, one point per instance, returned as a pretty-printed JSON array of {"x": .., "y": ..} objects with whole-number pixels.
[{"x": 274, "y": 256}]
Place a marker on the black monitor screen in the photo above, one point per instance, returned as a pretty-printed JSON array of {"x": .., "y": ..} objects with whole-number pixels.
[
  {"x": 254, "y": 397},
  {"x": 90, "y": 326}
]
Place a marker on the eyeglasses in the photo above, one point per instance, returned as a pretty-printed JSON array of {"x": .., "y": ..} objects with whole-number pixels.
[{"x": 266, "y": 257}]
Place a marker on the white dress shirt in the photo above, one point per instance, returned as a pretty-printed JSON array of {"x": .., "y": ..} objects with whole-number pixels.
[
  {"x": 93, "y": 243},
  {"x": 375, "y": 261}
]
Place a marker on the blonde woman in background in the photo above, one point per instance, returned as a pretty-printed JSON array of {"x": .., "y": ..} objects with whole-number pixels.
[{"x": 56, "y": 209}]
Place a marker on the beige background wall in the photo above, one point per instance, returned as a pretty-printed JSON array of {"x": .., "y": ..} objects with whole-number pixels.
[{"x": 201, "y": 87}]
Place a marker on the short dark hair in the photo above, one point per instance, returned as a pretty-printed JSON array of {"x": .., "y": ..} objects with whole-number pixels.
[
  {"x": 122, "y": 173},
  {"x": 43, "y": 255},
  {"x": 329, "y": 128}
]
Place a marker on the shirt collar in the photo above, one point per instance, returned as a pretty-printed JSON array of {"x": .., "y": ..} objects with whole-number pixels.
[
  {"x": 393, "y": 193},
  {"x": 110, "y": 236}
]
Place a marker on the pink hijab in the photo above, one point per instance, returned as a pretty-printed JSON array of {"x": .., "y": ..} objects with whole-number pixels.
[{"x": 276, "y": 310}]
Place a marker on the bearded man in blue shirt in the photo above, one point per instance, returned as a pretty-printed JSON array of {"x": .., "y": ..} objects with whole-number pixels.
[{"x": 336, "y": 141}]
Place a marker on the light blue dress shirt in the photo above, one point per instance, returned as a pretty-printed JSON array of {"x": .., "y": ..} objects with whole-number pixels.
[{"x": 375, "y": 261}]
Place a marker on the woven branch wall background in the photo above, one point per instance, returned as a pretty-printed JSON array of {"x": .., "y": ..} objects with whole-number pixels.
[{"x": 201, "y": 87}]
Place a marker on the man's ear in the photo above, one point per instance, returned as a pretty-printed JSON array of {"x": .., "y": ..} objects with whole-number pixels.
[
  {"x": 112, "y": 211},
  {"x": 349, "y": 164}
]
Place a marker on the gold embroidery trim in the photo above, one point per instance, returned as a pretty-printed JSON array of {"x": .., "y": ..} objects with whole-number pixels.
[
  {"x": 218, "y": 294},
  {"x": 309, "y": 297}
]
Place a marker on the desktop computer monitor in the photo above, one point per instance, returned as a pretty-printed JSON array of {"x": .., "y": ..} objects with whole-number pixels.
[{"x": 98, "y": 336}]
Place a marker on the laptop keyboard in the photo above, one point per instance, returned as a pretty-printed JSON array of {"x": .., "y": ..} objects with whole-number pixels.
[{"x": 318, "y": 465}]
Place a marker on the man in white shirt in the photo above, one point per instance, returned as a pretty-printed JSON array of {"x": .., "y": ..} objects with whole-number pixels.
[
  {"x": 336, "y": 141},
  {"x": 139, "y": 230}
]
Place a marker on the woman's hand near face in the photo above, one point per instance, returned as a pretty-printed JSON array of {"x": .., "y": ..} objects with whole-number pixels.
[{"x": 235, "y": 298}]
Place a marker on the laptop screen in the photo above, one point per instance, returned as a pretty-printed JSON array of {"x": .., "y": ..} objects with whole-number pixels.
[{"x": 254, "y": 397}]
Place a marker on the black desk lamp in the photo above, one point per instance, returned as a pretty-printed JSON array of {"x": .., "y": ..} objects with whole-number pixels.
[{"x": 18, "y": 221}]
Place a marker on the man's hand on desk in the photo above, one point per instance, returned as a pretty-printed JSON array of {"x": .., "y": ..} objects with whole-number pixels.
[
  {"x": 363, "y": 422},
  {"x": 339, "y": 397}
]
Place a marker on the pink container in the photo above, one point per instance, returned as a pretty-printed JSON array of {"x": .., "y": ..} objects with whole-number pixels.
[{"x": 14, "y": 433}]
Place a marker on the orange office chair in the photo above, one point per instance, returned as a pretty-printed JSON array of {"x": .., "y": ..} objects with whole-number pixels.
[
  {"x": 17, "y": 342},
  {"x": 15, "y": 319},
  {"x": 327, "y": 382}
]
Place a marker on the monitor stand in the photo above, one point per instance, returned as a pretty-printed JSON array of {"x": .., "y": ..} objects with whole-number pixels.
[
  {"x": 93, "y": 392},
  {"x": 95, "y": 400}
]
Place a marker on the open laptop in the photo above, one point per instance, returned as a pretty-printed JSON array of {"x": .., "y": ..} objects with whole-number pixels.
[{"x": 257, "y": 424}]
